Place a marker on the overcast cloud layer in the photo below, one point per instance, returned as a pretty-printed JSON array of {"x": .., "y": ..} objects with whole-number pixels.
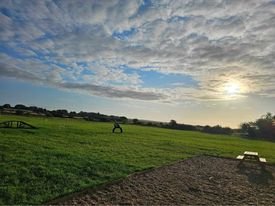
[{"x": 102, "y": 47}]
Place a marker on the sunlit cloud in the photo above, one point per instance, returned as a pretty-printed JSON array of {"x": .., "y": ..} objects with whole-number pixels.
[{"x": 214, "y": 49}]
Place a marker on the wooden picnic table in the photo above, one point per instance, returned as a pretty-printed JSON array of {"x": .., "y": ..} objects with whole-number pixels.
[{"x": 251, "y": 156}]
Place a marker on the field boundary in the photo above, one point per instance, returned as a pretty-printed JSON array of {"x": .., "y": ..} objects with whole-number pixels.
[
  {"x": 107, "y": 184},
  {"x": 68, "y": 196}
]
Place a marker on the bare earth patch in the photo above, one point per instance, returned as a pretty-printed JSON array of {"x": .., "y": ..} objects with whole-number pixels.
[{"x": 197, "y": 181}]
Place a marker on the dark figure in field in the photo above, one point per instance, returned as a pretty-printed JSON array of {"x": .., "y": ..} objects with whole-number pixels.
[{"x": 117, "y": 126}]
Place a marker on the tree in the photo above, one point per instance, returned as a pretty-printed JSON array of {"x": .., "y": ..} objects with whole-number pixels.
[
  {"x": 263, "y": 127},
  {"x": 249, "y": 129},
  {"x": 218, "y": 130},
  {"x": 20, "y": 106},
  {"x": 244, "y": 127},
  {"x": 135, "y": 121},
  {"x": 149, "y": 124},
  {"x": 72, "y": 114},
  {"x": 60, "y": 113},
  {"x": 19, "y": 112},
  {"x": 7, "y": 106},
  {"x": 173, "y": 123},
  {"x": 227, "y": 130},
  {"x": 123, "y": 119}
]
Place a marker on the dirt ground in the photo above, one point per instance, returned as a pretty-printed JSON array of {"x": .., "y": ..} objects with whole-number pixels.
[{"x": 197, "y": 181}]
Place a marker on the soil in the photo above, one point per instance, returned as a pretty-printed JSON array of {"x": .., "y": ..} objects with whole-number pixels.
[{"x": 200, "y": 180}]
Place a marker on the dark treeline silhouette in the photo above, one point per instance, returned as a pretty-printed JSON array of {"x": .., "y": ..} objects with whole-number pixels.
[
  {"x": 217, "y": 130},
  {"x": 174, "y": 125},
  {"x": 20, "y": 109},
  {"x": 264, "y": 127},
  {"x": 171, "y": 125}
]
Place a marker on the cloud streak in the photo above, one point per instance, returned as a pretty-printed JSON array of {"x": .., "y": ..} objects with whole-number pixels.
[{"x": 113, "y": 92}]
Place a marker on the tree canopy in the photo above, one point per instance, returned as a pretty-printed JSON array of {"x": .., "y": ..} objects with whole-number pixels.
[{"x": 264, "y": 127}]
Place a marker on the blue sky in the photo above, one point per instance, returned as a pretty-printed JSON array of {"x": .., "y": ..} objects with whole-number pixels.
[{"x": 192, "y": 61}]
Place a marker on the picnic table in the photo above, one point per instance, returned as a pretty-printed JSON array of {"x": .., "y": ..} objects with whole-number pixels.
[{"x": 251, "y": 156}]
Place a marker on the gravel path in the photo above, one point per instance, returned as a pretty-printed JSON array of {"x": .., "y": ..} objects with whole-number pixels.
[{"x": 197, "y": 181}]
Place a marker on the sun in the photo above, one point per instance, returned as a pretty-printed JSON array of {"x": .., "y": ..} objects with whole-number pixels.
[{"x": 232, "y": 88}]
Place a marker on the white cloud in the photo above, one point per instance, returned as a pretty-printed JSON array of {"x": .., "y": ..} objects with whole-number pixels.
[{"x": 212, "y": 41}]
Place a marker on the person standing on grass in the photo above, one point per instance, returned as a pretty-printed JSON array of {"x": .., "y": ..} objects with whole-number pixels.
[{"x": 117, "y": 126}]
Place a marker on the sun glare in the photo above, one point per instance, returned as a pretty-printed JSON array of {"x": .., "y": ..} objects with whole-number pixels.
[{"x": 232, "y": 88}]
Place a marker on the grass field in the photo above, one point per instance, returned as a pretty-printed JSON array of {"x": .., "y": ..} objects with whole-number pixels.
[{"x": 67, "y": 155}]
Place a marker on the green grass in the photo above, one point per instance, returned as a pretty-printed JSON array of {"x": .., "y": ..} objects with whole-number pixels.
[{"x": 67, "y": 155}]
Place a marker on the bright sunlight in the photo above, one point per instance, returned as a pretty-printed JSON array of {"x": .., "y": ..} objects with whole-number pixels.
[{"x": 232, "y": 88}]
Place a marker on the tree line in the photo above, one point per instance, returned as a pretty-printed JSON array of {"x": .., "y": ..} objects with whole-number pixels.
[
  {"x": 264, "y": 127},
  {"x": 21, "y": 109},
  {"x": 174, "y": 125}
]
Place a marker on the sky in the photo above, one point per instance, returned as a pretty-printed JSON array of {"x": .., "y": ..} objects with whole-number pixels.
[{"x": 202, "y": 62}]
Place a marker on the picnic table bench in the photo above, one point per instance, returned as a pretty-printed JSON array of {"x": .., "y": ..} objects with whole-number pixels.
[{"x": 251, "y": 156}]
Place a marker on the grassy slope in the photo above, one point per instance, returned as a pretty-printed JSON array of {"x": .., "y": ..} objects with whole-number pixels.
[{"x": 65, "y": 155}]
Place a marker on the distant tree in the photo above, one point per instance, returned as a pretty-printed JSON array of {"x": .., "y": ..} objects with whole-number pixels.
[
  {"x": 82, "y": 114},
  {"x": 186, "y": 127},
  {"x": 206, "y": 128},
  {"x": 20, "y": 106},
  {"x": 48, "y": 114},
  {"x": 227, "y": 130},
  {"x": 150, "y": 124},
  {"x": 217, "y": 130},
  {"x": 72, "y": 114},
  {"x": 244, "y": 127},
  {"x": 209, "y": 129},
  {"x": 123, "y": 119},
  {"x": 60, "y": 113},
  {"x": 172, "y": 123},
  {"x": 19, "y": 112},
  {"x": 33, "y": 108},
  {"x": 252, "y": 131},
  {"x": 135, "y": 121},
  {"x": 6, "y": 106},
  {"x": 263, "y": 127}
]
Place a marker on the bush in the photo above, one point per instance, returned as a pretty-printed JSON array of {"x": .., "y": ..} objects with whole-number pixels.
[{"x": 263, "y": 127}]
